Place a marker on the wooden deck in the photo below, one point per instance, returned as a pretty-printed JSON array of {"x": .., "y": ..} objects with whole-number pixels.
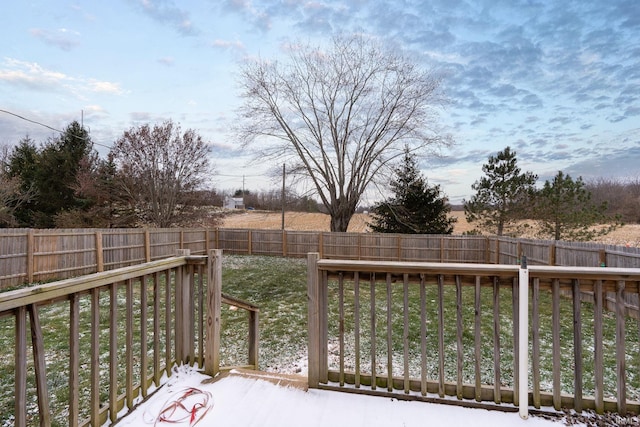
[{"x": 246, "y": 399}]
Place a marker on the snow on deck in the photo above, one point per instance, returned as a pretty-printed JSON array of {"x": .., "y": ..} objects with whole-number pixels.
[{"x": 245, "y": 401}]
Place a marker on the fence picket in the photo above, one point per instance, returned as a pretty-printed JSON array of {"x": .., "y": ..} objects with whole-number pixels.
[
  {"x": 356, "y": 330},
  {"x": 113, "y": 352},
  {"x": 478, "y": 340},
  {"x": 620, "y": 348},
  {"x": 405, "y": 334},
  {"x": 535, "y": 338},
  {"x": 40, "y": 365},
  {"x": 94, "y": 355},
  {"x": 372, "y": 284},
  {"x": 555, "y": 333},
  {"x": 577, "y": 345},
  {"x": 21, "y": 368},
  {"x": 74, "y": 359},
  {"x": 496, "y": 341}
]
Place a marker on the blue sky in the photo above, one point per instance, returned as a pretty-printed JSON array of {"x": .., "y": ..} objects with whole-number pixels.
[{"x": 558, "y": 81}]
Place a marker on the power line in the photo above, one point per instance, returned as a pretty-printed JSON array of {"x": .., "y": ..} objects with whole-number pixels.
[
  {"x": 48, "y": 127},
  {"x": 241, "y": 176}
]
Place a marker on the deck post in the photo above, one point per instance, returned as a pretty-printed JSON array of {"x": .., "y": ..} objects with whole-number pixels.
[
  {"x": 523, "y": 339},
  {"x": 214, "y": 304},
  {"x": 313, "y": 299}
]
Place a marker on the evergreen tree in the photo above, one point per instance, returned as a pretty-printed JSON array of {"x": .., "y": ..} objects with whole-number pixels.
[
  {"x": 415, "y": 208},
  {"x": 501, "y": 196},
  {"x": 566, "y": 212},
  {"x": 50, "y": 172},
  {"x": 102, "y": 202},
  {"x": 21, "y": 167}
]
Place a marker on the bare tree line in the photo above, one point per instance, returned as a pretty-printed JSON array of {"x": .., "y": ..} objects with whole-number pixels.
[{"x": 621, "y": 194}]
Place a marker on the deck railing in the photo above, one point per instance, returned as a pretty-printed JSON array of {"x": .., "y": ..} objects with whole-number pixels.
[
  {"x": 430, "y": 331},
  {"x": 123, "y": 333}
]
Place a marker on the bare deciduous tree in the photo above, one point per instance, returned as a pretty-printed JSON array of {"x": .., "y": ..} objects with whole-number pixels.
[
  {"x": 339, "y": 116},
  {"x": 12, "y": 197},
  {"x": 162, "y": 169}
]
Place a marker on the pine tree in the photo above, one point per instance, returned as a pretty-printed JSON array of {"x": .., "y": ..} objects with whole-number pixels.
[
  {"x": 501, "y": 196},
  {"x": 566, "y": 212},
  {"x": 50, "y": 172},
  {"x": 415, "y": 208}
]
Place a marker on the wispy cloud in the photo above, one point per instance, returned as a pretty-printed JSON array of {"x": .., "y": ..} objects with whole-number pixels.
[
  {"x": 104, "y": 87},
  {"x": 62, "y": 38},
  {"x": 228, "y": 45},
  {"x": 252, "y": 13},
  {"x": 167, "y": 60},
  {"x": 166, "y": 12},
  {"x": 32, "y": 75}
]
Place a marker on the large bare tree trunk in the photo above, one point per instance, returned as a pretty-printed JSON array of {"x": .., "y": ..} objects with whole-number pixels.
[{"x": 340, "y": 221}]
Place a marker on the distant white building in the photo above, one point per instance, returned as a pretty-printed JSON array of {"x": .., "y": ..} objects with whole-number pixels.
[{"x": 233, "y": 203}]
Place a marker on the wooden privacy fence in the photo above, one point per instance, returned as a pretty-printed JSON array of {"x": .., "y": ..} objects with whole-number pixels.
[
  {"x": 101, "y": 342},
  {"x": 28, "y": 255},
  {"x": 432, "y": 331}
]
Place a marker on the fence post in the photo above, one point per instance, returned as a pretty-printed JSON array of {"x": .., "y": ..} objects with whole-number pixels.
[
  {"x": 284, "y": 243},
  {"x": 314, "y": 306},
  {"x": 249, "y": 241},
  {"x": 99, "y": 253},
  {"x": 30, "y": 249},
  {"x": 552, "y": 254},
  {"x": 602, "y": 258},
  {"x": 147, "y": 245},
  {"x": 523, "y": 339},
  {"x": 487, "y": 251},
  {"x": 214, "y": 303}
]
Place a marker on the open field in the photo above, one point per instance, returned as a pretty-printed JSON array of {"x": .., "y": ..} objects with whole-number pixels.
[{"x": 302, "y": 221}]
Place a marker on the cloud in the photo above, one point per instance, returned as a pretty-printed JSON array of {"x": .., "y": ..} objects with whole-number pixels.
[
  {"x": 141, "y": 116},
  {"x": 166, "y": 12},
  {"x": 30, "y": 75},
  {"x": 94, "y": 110},
  {"x": 61, "y": 38},
  {"x": 228, "y": 45},
  {"x": 167, "y": 60},
  {"x": 105, "y": 87},
  {"x": 245, "y": 8},
  {"x": 33, "y": 76},
  {"x": 616, "y": 164}
]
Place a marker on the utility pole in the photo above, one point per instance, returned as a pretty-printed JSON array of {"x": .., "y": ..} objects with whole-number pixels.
[
  {"x": 283, "y": 190},
  {"x": 243, "y": 205}
]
